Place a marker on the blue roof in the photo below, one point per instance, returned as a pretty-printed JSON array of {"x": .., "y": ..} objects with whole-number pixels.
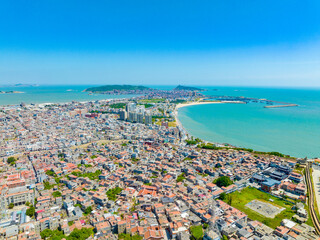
[{"x": 271, "y": 182}]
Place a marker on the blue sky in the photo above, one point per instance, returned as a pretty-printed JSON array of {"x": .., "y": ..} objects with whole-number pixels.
[{"x": 250, "y": 42}]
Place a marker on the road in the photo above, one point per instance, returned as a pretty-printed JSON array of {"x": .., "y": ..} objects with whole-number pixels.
[
  {"x": 311, "y": 200},
  {"x": 316, "y": 183}
]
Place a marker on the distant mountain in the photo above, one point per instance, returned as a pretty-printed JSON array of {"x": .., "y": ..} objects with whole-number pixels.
[
  {"x": 21, "y": 85},
  {"x": 25, "y": 85},
  {"x": 185, "y": 88},
  {"x": 119, "y": 88}
]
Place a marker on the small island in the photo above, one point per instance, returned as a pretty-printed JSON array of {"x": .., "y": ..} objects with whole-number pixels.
[
  {"x": 9, "y": 92},
  {"x": 25, "y": 85},
  {"x": 119, "y": 89},
  {"x": 186, "y": 88}
]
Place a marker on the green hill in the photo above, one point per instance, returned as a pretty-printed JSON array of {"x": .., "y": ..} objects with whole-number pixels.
[
  {"x": 185, "y": 88},
  {"x": 107, "y": 88}
]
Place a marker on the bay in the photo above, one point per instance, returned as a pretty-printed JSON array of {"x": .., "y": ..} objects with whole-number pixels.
[{"x": 291, "y": 130}]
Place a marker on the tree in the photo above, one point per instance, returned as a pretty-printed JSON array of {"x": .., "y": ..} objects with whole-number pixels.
[
  {"x": 223, "y": 196},
  {"x": 224, "y": 237},
  {"x": 47, "y": 185},
  {"x": 70, "y": 223},
  {"x": 126, "y": 236},
  {"x": 11, "y": 205},
  {"x": 81, "y": 234},
  {"x": 223, "y": 181},
  {"x": 88, "y": 210},
  {"x": 112, "y": 193},
  {"x": 57, "y": 180},
  {"x": 50, "y": 173},
  {"x": 136, "y": 237},
  {"x": 196, "y": 232},
  {"x": 52, "y": 235},
  {"x": 11, "y": 160},
  {"x": 31, "y": 211},
  {"x": 76, "y": 234},
  {"x": 46, "y": 233},
  {"x": 56, "y": 194},
  {"x": 181, "y": 177}
]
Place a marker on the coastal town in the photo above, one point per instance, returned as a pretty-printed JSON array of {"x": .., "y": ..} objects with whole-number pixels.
[{"x": 127, "y": 169}]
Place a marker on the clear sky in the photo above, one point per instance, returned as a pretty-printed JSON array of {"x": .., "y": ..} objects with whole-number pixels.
[{"x": 225, "y": 42}]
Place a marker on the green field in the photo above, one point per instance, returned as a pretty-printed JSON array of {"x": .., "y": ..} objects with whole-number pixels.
[
  {"x": 147, "y": 105},
  {"x": 240, "y": 199},
  {"x": 118, "y": 105},
  {"x": 154, "y": 100}
]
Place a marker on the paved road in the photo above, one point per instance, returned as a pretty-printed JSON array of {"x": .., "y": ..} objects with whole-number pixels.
[
  {"x": 316, "y": 183},
  {"x": 311, "y": 200}
]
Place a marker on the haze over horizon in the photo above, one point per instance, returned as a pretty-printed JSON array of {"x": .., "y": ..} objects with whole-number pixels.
[{"x": 213, "y": 43}]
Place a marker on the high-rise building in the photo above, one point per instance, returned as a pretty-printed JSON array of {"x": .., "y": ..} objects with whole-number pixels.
[
  {"x": 132, "y": 117},
  {"x": 123, "y": 115},
  {"x": 148, "y": 119},
  {"x": 140, "y": 118},
  {"x": 141, "y": 109},
  {"x": 130, "y": 107}
]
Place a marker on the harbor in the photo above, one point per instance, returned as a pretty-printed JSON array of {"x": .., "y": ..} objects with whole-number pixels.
[{"x": 245, "y": 100}]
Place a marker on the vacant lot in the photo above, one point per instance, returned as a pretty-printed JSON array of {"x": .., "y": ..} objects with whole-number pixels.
[
  {"x": 239, "y": 200},
  {"x": 264, "y": 208}
]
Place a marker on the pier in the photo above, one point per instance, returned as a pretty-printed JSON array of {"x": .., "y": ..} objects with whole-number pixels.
[
  {"x": 281, "y": 106},
  {"x": 236, "y": 99}
]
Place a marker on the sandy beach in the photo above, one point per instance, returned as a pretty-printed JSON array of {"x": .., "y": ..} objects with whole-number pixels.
[{"x": 180, "y": 105}]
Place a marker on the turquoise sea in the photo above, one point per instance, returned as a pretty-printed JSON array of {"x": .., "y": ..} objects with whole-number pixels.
[
  {"x": 293, "y": 130},
  {"x": 51, "y": 94}
]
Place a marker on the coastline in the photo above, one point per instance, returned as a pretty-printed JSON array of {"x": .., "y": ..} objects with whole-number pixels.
[
  {"x": 174, "y": 114},
  {"x": 64, "y": 102},
  {"x": 186, "y": 134},
  {"x": 181, "y": 105}
]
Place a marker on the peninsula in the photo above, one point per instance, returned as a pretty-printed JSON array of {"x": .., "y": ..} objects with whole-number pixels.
[
  {"x": 120, "y": 89},
  {"x": 186, "y": 88}
]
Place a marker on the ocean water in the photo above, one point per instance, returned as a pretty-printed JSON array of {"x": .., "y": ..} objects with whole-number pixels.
[
  {"x": 292, "y": 130},
  {"x": 51, "y": 94}
]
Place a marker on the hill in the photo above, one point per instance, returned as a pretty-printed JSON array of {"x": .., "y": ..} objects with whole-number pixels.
[
  {"x": 185, "y": 88},
  {"x": 119, "y": 88}
]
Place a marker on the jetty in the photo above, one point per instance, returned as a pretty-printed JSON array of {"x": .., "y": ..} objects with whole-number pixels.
[
  {"x": 244, "y": 100},
  {"x": 281, "y": 106}
]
